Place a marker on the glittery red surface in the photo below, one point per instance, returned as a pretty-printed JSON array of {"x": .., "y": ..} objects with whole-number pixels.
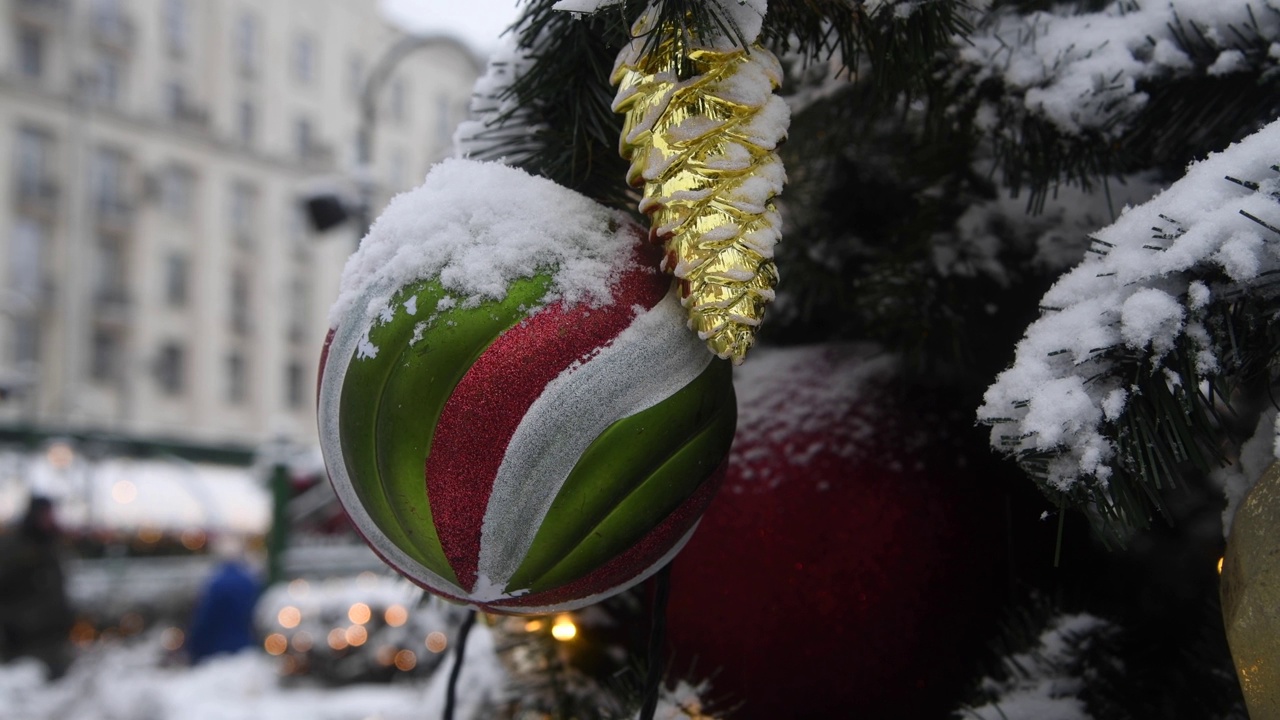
[
  {"x": 635, "y": 560},
  {"x": 492, "y": 398},
  {"x": 830, "y": 583}
]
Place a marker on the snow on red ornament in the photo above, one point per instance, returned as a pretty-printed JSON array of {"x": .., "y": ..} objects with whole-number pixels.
[
  {"x": 849, "y": 565},
  {"x": 512, "y": 411}
]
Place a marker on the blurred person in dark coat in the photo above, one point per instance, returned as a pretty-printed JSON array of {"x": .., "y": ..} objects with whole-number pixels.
[
  {"x": 223, "y": 618},
  {"x": 35, "y": 616}
]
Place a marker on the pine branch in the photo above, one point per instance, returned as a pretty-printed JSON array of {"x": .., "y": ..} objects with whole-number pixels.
[
  {"x": 893, "y": 236},
  {"x": 1162, "y": 663},
  {"x": 1130, "y": 377},
  {"x": 1046, "y": 662},
  {"x": 900, "y": 40},
  {"x": 1074, "y": 99},
  {"x": 552, "y": 117}
]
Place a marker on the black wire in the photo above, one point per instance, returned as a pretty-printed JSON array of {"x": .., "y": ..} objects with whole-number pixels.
[
  {"x": 451, "y": 690},
  {"x": 657, "y": 634}
]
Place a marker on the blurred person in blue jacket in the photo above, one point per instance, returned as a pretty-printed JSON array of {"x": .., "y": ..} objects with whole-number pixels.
[{"x": 223, "y": 618}]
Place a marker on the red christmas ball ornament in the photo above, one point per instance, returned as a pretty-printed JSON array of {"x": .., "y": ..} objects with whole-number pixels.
[
  {"x": 512, "y": 411},
  {"x": 851, "y": 561}
]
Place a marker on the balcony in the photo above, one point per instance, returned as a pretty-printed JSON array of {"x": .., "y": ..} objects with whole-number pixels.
[
  {"x": 113, "y": 31},
  {"x": 111, "y": 305},
  {"x": 114, "y": 215},
  {"x": 44, "y": 14},
  {"x": 245, "y": 238},
  {"x": 316, "y": 156},
  {"x": 190, "y": 115},
  {"x": 240, "y": 322},
  {"x": 37, "y": 197}
]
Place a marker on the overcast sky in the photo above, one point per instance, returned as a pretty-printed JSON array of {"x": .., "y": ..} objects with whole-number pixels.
[{"x": 476, "y": 22}]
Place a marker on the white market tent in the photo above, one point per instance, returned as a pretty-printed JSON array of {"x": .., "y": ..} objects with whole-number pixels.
[{"x": 125, "y": 494}]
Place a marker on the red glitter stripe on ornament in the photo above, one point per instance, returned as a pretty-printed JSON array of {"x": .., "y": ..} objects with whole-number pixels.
[
  {"x": 324, "y": 360},
  {"x": 489, "y": 402},
  {"x": 631, "y": 563}
]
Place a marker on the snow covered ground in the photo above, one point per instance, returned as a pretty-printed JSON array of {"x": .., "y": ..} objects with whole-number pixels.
[{"x": 131, "y": 681}]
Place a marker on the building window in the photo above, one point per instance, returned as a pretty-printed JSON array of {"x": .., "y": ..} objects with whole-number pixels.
[
  {"x": 108, "y": 8},
  {"x": 175, "y": 26},
  {"x": 295, "y": 386},
  {"x": 171, "y": 368},
  {"x": 444, "y": 122},
  {"x": 246, "y": 43},
  {"x": 112, "y": 269},
  {"x": 177, "y": 191},
  {"x": 355, "y": 75},
  {"x": 30, "y": 52},
  {"x": 397, "y": 100},
  {"x": 246, "y": 122},
  {"x": 244, "y": 212},
  {"x": 304, "y": 52},
  {"x": 104, "y": 355},
  {"x": 175, "y": 99},
  {"x": 240, "y": 304},
  {"x": 26, "y": 247},
  {"x": 108, "y": 180},
  {"x": 108, "y": 77},
  {"x": 175, "y": 280},
  {"x": 236, "y": 379},
  {"x": 397, "y": 171},
  {"x": 297, "y": 225},
  {"x": 32, "y": 159},
  {"x": 25, "y": 339},
  {"x": 303, "y": 137},
  {"x": 25, "y": 273},
  {"x": 110, "y": 24},
  {"x": 299, "y": 307}
]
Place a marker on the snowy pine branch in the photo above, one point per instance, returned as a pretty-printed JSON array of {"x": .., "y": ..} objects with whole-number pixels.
[
  {"x": 544, "y": 103},
  {"x": 902, "y": 41},
  {"x": 1124, "y": 380},
  {"x": 498, "y": 128},
  {"x": 1075, "y": 97},
  {"x": 1045, "y": 680}
]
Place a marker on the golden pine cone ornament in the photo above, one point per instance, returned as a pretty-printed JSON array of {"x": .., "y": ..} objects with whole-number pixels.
[
  {"x": 1251, "y": 595},
  {"x": 701, "y": 132}
]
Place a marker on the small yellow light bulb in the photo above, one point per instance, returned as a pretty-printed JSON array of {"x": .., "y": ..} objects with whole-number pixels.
[{"x": 564, "y": 630}]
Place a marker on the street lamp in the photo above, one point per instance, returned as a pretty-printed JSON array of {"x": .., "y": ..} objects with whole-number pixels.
[{"x": 326, "y": 208}]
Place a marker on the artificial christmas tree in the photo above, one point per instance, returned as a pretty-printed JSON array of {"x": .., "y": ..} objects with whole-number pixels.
[{"x": 945, "y": 163}]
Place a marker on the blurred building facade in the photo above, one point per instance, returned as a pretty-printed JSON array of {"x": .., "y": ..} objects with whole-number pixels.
[{"x": 158, "y": 278}]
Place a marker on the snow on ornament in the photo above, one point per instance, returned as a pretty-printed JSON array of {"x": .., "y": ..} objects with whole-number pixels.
[{"x": 512, "y": 412}]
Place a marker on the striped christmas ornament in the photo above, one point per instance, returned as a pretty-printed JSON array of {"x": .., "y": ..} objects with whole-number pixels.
[{"x": 519, "y": 455}]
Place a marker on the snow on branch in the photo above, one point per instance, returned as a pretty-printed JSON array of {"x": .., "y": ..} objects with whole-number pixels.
[
  {"x": 1046, "y": 680},
  {"x": 498, "y": 128},
  {"x": 1086, "y": 72},
  {"x": 1111, "y": 388}
]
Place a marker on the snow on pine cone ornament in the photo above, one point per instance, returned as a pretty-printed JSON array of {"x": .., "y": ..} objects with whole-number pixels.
[
  {"x": 512, "y": 411},
  {"x": 701, "y": 130}
]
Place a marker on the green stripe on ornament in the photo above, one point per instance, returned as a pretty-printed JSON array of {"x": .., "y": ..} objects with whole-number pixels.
[
  {"x": 419, "y": 386},
  {"x": 631, "y": 477},
  {"x": 410, "y": 396},
  {"x": 360, "y": 407}
]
